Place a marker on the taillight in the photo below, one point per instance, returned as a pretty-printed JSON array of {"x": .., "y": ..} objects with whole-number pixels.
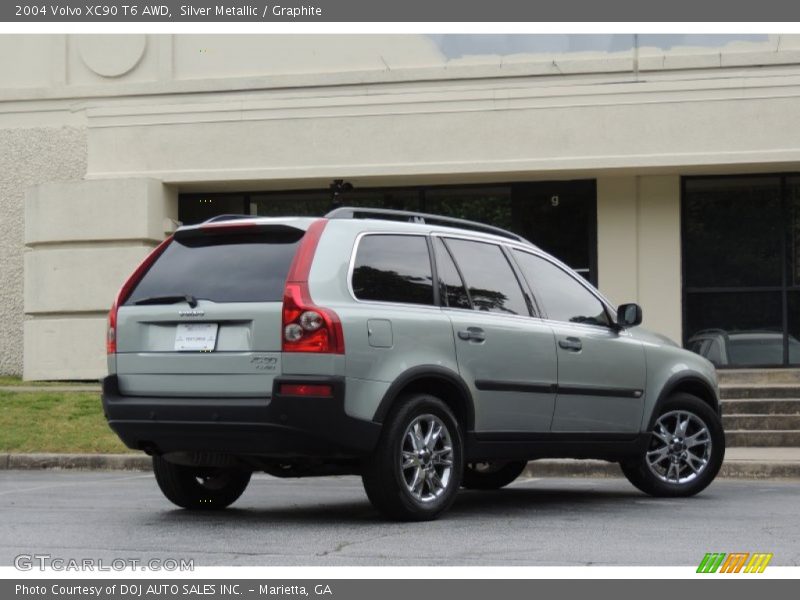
[
  {"x": 111, "y": 331},
  {"x": 125, "y": 292},
  {"x": 306, "y": 326}
]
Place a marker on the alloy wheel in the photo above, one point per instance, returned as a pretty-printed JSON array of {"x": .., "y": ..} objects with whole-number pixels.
[
  {"x": 426, "y": 458},
  {"x": 680, "y": 447}
]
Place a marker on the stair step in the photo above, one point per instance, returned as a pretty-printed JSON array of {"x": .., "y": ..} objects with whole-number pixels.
[
  {"x": 777, "y": 390},
  {"x": 758, "y": 376},
  {"x": 761, "y": 438},
  {"x": 771, "y": 422},
  {"x": 761, "y": 406}
]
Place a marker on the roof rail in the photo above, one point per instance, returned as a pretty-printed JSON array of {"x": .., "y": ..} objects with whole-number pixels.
[
  {"x": 228, "y": 218},
  {"x": 351, "y": 212}
]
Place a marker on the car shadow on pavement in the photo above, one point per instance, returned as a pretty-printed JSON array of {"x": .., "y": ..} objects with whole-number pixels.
[{"x": 468, "y": 504}]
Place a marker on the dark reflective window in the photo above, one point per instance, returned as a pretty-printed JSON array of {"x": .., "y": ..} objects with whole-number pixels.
[
  {"x": 485, "y": 204},
  {"x": 453, "y": 290},
  {"x": 196, "y": 208},
  {"x": 741, "y": 269},
  {"x": 491, "y": 282},
  {"x": 393, "y": 268},
  {"x": 732, "y": 232},
  {"x": 742, "y": 329},
  {"x": 793, "y": 222},
  {"x": 560, "y": 217},
  {"x": 794, "y": 327},
  {"x": 297, "y": 204},
  {"x": 221, "y": 268},
  {"x": 563, "y": 297}
]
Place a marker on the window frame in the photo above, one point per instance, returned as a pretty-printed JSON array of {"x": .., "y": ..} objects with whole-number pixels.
[
  {"x": 445, "y": 303},
  {"x": 434, "y": 274},
  {"x": 530, "y": 302},
  {"x": 582, "y": 281}
]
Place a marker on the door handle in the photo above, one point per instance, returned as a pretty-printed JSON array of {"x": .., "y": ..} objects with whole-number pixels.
[
  {"x": 571, "y": 343},
  {"x": 472, "y": 334}
]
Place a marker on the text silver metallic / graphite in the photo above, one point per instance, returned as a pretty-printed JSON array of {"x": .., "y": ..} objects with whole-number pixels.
[{"x": 250, "y": 10}]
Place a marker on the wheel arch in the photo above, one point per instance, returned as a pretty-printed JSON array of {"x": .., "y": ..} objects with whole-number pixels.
[
  {"x": 433, "y": 379},
  {"x": 689, "y": 384}
]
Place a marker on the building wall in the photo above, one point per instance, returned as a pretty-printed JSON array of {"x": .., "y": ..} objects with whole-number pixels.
[
  {"x": 28, "y": 156},
  {"x": 130, "y": 121}
]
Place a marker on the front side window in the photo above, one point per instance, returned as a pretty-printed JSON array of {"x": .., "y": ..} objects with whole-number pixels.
[
  {"x": 393, "y": 268},
  {"x": 564, "y": 298},
  {"x": 490, "y": 280}
]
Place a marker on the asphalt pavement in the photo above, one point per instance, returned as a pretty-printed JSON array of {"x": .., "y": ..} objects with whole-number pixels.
[{"x": 328, "y": 521}]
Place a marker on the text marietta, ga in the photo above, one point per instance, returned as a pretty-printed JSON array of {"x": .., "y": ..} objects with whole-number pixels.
[{"x": 276, "y": 10}]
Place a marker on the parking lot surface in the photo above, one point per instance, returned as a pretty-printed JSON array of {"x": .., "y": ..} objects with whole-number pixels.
[{"x": 328, "y": 521}]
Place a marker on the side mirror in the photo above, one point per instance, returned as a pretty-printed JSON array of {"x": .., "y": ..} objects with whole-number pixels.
[{"x": 629, "y": 315}]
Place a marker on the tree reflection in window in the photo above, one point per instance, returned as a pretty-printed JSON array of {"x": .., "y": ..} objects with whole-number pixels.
[
  {"x": 491, "y": 283},
  {"x": 393, "y": 268},
  {"x": 370, "y": 283}
]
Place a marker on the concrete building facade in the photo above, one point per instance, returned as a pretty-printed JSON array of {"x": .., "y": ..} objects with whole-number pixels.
[{"x": 107, "y": 142}]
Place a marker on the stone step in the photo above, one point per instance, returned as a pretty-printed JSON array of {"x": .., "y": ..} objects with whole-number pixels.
[
  {"x": 761, "y": 406},
  {"x": 758, "y": 376},
  {"x": 762, "y": 422},
  {"x": 777, "y": 390},
  {"x": 761, "y": 438}
]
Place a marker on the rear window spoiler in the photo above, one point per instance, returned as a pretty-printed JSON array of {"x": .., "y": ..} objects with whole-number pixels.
[{"x": 243, "y": 227}]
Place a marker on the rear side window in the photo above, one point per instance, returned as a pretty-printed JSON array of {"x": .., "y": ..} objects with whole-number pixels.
[
  {"x": 393, "y": 268},
  {"x": 453, "y": 290},
  {"x": 222, "y": 268},
  {"x": 490, "y": 280}
]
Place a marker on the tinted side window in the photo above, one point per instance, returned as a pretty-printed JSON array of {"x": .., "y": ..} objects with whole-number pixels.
[
  {"x": 563, "y": 297},
  {"x": 393, "y": 268},
  {"x": 453, "y": 290},
  {"x": 222, "y": 268},
  {"x": 491, "y": 282}
]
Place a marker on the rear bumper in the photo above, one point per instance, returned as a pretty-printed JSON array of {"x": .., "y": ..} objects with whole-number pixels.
[{"x": 273, "y": 426}]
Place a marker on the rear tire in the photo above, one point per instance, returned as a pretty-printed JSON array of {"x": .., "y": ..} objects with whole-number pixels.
[
  {"x": 684, "y": 452},
  {"x": 491, "y": 475},
  {"x": 199, "y": 488},
  {"x": 415, "y": 471}
]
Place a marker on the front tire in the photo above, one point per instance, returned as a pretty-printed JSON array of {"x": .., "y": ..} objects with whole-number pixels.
[
  {"x": 684, "y": 452},
  {"x": 415, "y": 472},
  {"x": 199, "y": 488},
  {"x": 491, "y": 475}
]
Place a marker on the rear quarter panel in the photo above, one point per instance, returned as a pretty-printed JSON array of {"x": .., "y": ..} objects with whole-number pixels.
[{"x": 420, "y": 335}]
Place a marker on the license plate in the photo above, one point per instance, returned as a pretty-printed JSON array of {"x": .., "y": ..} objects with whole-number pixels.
[{"x": 196, "y": 337}]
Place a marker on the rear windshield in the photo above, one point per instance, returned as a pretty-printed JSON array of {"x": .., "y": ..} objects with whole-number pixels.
[{"x": 222, "y": 268}]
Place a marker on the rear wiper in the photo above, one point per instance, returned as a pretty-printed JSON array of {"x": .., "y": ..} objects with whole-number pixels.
[{"x": 191, "y": 300}]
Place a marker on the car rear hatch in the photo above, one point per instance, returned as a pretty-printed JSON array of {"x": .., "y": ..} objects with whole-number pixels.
[{"x": 205, "y": 318}]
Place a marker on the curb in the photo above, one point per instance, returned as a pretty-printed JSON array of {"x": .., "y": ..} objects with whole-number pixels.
[
  {"x": 59, "y": 389},
  {"x": 89, "y": 462},
  {"x": 734, "y": 469}
]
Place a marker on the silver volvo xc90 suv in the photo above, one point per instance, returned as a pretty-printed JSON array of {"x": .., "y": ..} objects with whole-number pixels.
[{"x": 421, "y": 352}]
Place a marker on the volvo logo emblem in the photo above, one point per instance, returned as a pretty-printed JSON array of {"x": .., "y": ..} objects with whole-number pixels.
[{"x": 192, "y": 313}]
